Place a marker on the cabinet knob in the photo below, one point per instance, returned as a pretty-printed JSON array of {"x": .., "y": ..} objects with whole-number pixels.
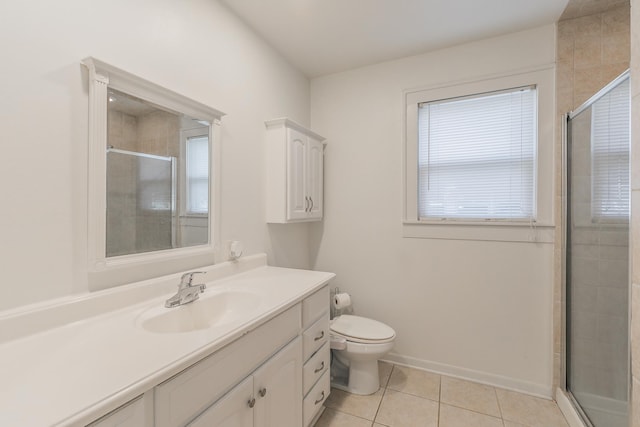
[
  {"x": 319, "y": 337},
  {"x": 252, "y": 402},
  {"x": 306, "y": 203},
  {"x": 320, "y": 399},
  {"x": 319, "y": 368},
  {"x": 262, "y": 392},
  {"x": 311, "y": 207}
]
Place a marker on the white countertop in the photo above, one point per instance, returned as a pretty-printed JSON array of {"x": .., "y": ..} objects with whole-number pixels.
[{"x": 75, "y": 372}]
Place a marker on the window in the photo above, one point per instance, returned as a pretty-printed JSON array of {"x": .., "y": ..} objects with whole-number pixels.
[
  {"x": 197, "y": 174},
  {"x": 479, "y": 159},
  {"x": 477, "y": 156},
  {"x": 610, "y": 136}
]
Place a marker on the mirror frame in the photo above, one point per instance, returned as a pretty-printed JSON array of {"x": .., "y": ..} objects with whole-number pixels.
[{"x": 103, "y": 76}]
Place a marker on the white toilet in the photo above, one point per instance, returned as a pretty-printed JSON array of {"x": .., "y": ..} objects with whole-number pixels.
[{"x": 357, "y": 344}]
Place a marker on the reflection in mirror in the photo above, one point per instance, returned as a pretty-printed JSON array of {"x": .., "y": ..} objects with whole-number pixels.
[{"x": 157, "y": 177}]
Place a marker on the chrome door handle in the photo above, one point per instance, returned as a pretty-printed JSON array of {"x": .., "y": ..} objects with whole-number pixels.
[
  {"x": 320, "y": 368},
  {"x": 319, "y": 337},
  {"x": 321, "y": 398}
]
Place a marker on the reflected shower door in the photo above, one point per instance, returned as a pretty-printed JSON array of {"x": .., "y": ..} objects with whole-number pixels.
[{"x": 141, "y": 203}]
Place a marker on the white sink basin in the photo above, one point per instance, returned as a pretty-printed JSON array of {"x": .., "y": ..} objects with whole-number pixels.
[{"x": 208, "y": 311}]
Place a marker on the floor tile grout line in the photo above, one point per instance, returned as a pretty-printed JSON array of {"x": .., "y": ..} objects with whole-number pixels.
[
  {"x": 384, "y": 391},
  {"x": 471, "y": 410}
]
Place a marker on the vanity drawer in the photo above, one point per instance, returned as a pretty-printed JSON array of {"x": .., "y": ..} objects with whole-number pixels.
[
  {"x": 180, "y": 398},
  {"x": 315, "y": 336},
  {"x": 314, "y": 306},
  {"x": 315, "y": 367},
  {"x": 316, "y": 397}
]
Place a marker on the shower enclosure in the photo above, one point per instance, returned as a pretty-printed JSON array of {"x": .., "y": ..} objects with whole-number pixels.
[
  {"x": 597, "y": 256},
  {"x": 141, "y": 194}
]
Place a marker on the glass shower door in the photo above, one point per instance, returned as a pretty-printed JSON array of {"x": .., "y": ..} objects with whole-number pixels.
[{"x": 597, "y": 256}]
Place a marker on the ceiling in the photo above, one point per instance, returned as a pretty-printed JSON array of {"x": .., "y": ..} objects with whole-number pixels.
[{"x": 327, "y": 36}]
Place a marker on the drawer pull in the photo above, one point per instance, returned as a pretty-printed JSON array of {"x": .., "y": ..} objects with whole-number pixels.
[
  {"x": 252, "y": 402},
  {"x": 262, "y": 392},
  {"x": 320, "y": 368},
  {"x": 319, "y": 337},
  {"x": 321, "y": 398}
]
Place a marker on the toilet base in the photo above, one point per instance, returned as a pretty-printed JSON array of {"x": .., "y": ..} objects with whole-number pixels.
[{"x": 357, "y": 377}]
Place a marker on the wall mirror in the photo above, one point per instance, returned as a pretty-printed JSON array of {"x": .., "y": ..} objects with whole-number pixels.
[{"x": 152, "y": 173}]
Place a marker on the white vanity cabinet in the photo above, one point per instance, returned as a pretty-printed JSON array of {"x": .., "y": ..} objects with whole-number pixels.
[
  {"x": 274, "y": 376},
  {"x": 295, "y": 165},
  {"x": 316, "y": 354},
  {"x": 270, "y": 397},
  {"x": 182, "y": 398}
]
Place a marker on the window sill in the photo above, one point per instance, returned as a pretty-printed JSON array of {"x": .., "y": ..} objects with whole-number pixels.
[{"x": 483, "y": 231}]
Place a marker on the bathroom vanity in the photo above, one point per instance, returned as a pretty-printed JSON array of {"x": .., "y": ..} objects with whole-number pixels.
[{"x": 252, "y": 350}]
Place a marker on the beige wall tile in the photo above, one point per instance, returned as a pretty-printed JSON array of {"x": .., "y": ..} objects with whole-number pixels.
[
  {"x": 635, "y": 49},
  {"x": 616, "y": 47},
  {"x": 588, "y": 52},
  {"x": 635, "y": 142},
  {"x": 567, "y": 29},
  {"x": 588, "y": 26},
  {"x": 565, "y": 50},
  {"x": 635, "y": 237},
  {"x": 451, "y": 416},
  {"x": 616, "y": 20},
  {"x": 405, "y": 410}
]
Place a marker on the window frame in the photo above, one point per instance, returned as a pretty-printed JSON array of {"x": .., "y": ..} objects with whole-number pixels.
[{"x": 540, "y": 229}]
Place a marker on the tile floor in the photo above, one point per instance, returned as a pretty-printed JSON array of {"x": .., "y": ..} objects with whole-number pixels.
[{"x": 411, "y": 397}]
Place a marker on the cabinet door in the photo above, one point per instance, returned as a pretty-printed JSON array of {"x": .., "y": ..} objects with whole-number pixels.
[
  {"x": 278, "y": 389},
  {"x": 234, "y": 409},
  {"x": 315, "y": 163},
  {"x": 297, "y": 198}
]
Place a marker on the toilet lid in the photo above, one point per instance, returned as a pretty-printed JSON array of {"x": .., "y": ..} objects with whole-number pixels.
[{"x": 361, "y": 328}]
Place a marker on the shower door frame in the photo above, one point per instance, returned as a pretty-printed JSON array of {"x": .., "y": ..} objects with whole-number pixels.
[{"x": 566, "y": 192}]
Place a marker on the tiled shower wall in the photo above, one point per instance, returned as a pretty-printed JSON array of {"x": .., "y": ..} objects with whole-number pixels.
[
  {"x": 592, "y": 50},
  {"x": 635, "y": 211}
]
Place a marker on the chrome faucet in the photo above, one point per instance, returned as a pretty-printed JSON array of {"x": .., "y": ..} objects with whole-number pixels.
[{"x": 186, "y": 291}]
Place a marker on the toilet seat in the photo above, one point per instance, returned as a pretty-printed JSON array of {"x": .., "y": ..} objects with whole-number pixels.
[{"x": 361, "y": 329}]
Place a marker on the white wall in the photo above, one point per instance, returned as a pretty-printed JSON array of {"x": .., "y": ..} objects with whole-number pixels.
[
  {"x": 194, "y": 47},
  {"x": 478, "y": 309}
]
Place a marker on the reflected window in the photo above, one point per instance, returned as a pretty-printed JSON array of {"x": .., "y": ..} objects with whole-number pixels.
[
  {"x": 197, "y": 174},
  {"x": 610, "y": 136}
]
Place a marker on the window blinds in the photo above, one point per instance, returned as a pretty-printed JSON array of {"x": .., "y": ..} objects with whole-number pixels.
[
  {"x": 477, "y": 156},
  {"x": 197, "y": 169},
  {"x": 610, "y": 138}
]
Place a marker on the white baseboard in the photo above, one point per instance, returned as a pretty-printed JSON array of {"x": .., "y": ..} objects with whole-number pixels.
[{"x": 539, "y": 390}]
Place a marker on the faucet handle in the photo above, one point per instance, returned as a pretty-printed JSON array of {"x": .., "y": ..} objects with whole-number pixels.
[{"x": 187, "y": 278}]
